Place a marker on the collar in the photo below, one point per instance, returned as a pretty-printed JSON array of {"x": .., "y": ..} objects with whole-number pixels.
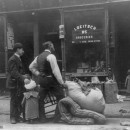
[
  {"x": 48, "y": 50},
  {"x": 17, "y": 55}
]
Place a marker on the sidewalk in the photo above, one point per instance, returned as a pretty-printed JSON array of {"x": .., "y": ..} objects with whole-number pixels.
[
  {"x": 110, "y": 111},
  {"x": 111, "y": 124},
  {"x": 114, "y": 110}
]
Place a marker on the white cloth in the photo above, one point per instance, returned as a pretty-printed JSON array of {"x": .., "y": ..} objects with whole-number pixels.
[
  {"x": 54, "y": 66},
  {"x": 33, "y": 67},
  {"x": 31, "y": 85}
]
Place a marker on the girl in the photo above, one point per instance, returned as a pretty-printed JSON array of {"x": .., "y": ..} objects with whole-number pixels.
[{"x": 30, "y": 100}]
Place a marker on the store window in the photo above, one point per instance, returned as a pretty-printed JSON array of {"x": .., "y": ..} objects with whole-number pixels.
[{"x": 84, "y": 42}]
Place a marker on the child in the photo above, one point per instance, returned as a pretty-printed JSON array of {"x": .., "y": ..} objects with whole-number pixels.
[
  {"x": 127, "y": 83},
  {"x": 30, "y": 100}
]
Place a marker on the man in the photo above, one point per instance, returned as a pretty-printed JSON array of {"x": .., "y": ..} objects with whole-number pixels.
[
  {"x": 15, "y": 78},
  {"x": 49, "y": 77}
]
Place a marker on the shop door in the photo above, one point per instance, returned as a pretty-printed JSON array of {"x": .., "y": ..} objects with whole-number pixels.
[
  {"x": 84, "y": 41},
  {"x": 49, "y": 22},
  {"x": 122, "y": 41},
  {"x": 25, "y": 36},
  {"x": 22, "y": 28}
]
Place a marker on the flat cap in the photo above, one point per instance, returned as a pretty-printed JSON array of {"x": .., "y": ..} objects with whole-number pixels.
[{"x": 17, "y": 45}]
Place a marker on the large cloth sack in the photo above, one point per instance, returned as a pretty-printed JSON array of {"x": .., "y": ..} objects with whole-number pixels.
[
  {"x": 71, "y": 113},
  {"x": 93, "y": 101}
]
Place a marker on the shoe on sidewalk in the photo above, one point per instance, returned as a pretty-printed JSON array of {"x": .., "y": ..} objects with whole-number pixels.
[
  {"x": 20, "y": 119},
  {"x": 13, "y": 121}
]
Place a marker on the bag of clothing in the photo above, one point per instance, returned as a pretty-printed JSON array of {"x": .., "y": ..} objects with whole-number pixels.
[{"x": 94, "y": 100}]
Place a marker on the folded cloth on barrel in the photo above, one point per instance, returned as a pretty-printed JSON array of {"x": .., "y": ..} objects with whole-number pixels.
[{"x": 72, "y": 113}]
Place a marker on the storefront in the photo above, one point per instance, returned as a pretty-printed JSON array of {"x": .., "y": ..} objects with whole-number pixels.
[
  {"x": 88, "y": 45},
  {"x": 85, "y": 42}
]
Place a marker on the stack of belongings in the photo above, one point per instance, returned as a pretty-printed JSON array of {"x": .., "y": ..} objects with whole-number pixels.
[
  {"x": 83, "y": 104},
  {"x": 111, "y": 91}
]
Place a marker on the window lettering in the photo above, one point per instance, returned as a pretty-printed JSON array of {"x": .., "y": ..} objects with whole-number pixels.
[{"x": 80, "y": 26}]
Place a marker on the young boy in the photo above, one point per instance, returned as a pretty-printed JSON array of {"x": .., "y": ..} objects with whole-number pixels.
[{"x": 30, "y": 100}]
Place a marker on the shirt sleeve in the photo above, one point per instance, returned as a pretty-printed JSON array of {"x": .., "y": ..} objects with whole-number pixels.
[
  {"x": 33, "y": 67},
  {"x": 55, "y": 68}
]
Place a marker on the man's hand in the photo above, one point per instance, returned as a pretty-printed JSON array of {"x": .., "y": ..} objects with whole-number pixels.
[{"x": 64, "y": 86}]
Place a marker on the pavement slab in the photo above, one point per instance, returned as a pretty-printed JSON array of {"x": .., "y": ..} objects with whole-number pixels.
[{"x": 111, "y": 123}]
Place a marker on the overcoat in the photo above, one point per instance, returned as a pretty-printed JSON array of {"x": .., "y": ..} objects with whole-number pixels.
[{"x": 15, "y": 72}]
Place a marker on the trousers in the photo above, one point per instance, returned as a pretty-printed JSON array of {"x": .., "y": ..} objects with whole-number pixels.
[
  {"x": 15, "y": 103},
  {"x": 49, "y": 84}
]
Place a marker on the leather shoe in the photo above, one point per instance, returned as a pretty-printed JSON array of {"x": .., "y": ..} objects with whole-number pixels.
[
  {"x": 13, "y": 121},
  {"x": 20, "y": 119}
]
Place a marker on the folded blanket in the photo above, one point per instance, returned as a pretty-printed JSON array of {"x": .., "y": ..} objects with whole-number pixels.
[{"x": 72, "y": 113}]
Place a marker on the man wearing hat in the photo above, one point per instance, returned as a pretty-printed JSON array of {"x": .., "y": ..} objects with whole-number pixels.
[{"x": 15, "y": 82}]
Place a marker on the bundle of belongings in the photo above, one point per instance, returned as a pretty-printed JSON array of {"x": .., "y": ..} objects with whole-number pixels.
[{"x": 83, "y": 105}]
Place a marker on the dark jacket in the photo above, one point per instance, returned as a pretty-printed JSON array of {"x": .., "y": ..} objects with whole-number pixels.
[{"x": 15, "y": 73}]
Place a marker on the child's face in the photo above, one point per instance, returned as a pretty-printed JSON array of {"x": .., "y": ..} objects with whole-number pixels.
[{"x": 26, "y": 81}]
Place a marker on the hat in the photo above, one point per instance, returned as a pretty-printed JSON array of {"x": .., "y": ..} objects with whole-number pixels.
[{"x": 17, "y": 45}]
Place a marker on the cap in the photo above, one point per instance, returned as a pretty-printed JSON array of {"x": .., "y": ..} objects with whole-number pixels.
[{"x": 17, "y": 45}]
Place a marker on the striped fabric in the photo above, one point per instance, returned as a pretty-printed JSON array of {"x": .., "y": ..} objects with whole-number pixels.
[{"x": 72, "y": 113}]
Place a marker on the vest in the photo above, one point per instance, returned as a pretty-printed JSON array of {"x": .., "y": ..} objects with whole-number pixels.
[{"x": 43, "y": 65}]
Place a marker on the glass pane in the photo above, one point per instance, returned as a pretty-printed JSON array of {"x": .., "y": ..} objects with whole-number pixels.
[{"x": 85, "y": 47}]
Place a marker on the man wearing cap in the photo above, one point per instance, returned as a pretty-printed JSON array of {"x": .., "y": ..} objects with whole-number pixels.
[
  {"x": 49, "y": 77},
  {"x": 15, "y": 82}
]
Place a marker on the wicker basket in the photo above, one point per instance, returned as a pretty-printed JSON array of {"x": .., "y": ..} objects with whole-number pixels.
[{"x": 110, "y": 92}]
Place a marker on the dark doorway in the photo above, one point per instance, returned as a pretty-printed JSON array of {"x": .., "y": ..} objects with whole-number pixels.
[
  {"x": 23, "y": 33},
  {"x": 49, "y": 31},
  {"x": 122, "y": 22}
]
